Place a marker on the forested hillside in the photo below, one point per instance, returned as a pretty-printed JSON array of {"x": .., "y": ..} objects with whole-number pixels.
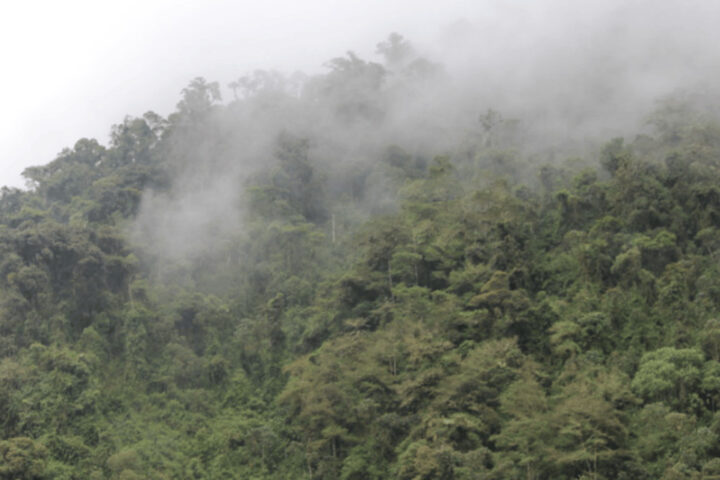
[{"x": 308, "y": 282}]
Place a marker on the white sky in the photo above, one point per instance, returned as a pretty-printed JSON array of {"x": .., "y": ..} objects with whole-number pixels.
[{"x": 73, "y": 68}]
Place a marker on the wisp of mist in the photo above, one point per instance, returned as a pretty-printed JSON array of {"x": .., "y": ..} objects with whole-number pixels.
[{"x": 571, "y": 75}]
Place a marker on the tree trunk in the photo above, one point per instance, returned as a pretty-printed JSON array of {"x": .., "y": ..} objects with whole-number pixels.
[
  {"x": 390, "y": 284},
  {"x": 332, "y": 220}
]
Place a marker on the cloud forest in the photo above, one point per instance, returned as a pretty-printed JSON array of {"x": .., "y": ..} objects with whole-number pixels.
[{"x": 385, "y": 270}]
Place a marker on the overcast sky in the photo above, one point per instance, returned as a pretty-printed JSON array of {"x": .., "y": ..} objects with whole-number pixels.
[{"x": 72, "y": 68}]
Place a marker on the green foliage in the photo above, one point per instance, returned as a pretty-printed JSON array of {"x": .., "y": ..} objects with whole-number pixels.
[
  {"x": 410, "y": 315},
  {"x": 671, "y": 375},
  {"x": 22, "y": 459}
]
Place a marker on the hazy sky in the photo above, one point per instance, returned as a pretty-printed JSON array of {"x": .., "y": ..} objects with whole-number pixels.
[{"x": 73, "y": 68}]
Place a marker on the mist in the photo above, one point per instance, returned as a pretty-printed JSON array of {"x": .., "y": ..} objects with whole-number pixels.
[{"x": 559, "y": 78}]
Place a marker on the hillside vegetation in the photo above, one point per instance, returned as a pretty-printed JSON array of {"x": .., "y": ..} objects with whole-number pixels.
[{"x": 489, "y": 311}]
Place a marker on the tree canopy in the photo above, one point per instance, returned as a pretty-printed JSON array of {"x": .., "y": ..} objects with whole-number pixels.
[{"x": 209, "y": 297}]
